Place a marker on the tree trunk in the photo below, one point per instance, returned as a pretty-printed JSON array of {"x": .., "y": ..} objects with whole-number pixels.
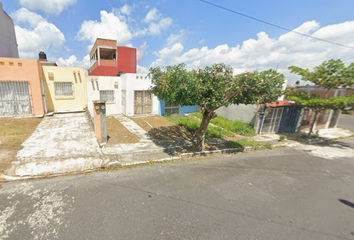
[
  {"x": 314, "y": 123},
  {"x": 200, "y": 134}
]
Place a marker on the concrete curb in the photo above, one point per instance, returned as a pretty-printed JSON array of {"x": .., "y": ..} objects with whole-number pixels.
[
  {"x": 186, "y": 155},
  {"x": 204, "y": 153}
]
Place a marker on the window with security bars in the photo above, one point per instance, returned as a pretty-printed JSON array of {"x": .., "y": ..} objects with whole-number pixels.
[
  {"x": 171, "y": 109},
  {"x": 107, "y": 95},
  {"x": 64, "y": 89}
]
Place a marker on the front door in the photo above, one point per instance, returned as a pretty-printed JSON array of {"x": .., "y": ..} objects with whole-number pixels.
[{"x": 142, "y": 102}]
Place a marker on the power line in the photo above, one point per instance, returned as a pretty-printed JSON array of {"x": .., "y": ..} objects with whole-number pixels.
[{"x": 275, "y": 25}]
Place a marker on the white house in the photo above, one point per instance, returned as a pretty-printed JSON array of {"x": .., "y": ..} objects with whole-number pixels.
[{"x": 128, "y": 94}]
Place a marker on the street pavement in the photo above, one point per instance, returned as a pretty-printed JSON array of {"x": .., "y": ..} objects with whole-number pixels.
[{"x": 286, "y": 193}]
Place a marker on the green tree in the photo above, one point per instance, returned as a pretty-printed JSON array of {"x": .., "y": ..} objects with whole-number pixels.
[
  {"x": 330, "y": 74},
  {"x": 213, "y": 87},
  {"x": 317, "y": 105}
]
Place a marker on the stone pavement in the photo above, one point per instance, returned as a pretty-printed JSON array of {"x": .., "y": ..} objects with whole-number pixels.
[
  {"x": 145, "y": 150},
  {"x": 134, "y": 128},
  {"x": 60, "y": 144}
]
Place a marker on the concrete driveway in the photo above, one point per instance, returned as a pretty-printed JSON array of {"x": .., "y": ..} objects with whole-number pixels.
[{"x": 60, "y": 144}]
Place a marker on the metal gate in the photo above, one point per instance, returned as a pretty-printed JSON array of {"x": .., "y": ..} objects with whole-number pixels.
[
  {"x": 142, "y": 102},
  {"x": 290, "y": 119},
  {"x": 15, "y": 98},
  {"x": 271, "y": 120}
]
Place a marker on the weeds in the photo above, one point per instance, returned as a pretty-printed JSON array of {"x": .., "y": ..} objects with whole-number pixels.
[
  {"x": 237, "y": 127},
  {"x": 193, "y": 124}
]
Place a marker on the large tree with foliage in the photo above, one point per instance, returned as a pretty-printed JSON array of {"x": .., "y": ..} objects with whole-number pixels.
[
  {"x": 213, "y": 87},
  {"x": 317, "y": 105},
  {"x": 329, "y": 75}
]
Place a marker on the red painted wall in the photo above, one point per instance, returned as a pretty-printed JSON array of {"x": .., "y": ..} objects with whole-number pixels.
[
  {"x": 104, "y": 71},
  {"x": 126, "y": 59},
  {"x": 126, "y": 63}
]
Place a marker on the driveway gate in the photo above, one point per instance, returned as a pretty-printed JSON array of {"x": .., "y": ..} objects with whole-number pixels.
[{"x": 15, "y": 98}]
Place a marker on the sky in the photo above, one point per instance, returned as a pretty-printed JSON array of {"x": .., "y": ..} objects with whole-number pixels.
[{"x": 168, "y": 32}]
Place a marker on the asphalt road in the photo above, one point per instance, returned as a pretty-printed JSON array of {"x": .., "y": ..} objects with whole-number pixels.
[
  {"x": 278, "y": 194},
  {"x": 346, "y": 121}
]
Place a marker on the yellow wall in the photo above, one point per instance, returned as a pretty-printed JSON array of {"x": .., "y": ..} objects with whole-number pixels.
[{"x": 74, "y": 75}]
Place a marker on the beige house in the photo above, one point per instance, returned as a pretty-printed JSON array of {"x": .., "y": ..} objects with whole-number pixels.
[{"x": 65, "y": 88}]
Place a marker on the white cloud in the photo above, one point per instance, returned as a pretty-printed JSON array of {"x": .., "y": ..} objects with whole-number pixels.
[
  {"x": 141, "y": 69},
  {"x": 126, "y": 9},
  {"x": 73, "y": 62},
  {"x": 141, "y": 50},
  {"x": 156, "y": 22},
  {"x": 265, "y": 52},
  {"x": 175, "y": 38},
  {"x": 163, "y": 24},
  {"x": 49, "y": 6},
  {"x": 110, "y": 27},
  {"x": 37, "y": 35},
  {"x": 152, "y": 15},
  {"x": 170, "y": 53}
]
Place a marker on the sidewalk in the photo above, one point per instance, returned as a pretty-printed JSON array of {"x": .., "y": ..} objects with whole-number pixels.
[
  {"x": 147, "y": 150},
  {"x": 66, "y": 143}
]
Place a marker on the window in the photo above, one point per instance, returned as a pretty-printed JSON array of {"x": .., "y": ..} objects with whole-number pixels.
[
  {"x": 2, "y": 64},
  {"x": 171, "y": 109},
  {"x": 11, "y": 63},
  {"x": 64, "y": 89},
  {"x": 19, "y": 64},
  {"x": 107, "y": 95}
]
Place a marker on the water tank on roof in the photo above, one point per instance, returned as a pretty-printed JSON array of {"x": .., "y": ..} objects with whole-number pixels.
[{"x": 42, "y": 55}]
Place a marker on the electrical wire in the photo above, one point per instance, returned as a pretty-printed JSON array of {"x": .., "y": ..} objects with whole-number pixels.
[{"x": 275, "y": 25}]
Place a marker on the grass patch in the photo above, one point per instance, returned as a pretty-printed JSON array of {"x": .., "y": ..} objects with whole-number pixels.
[
  {"x": 193, "y": 124},
  {"x": 237, "y": 127},
  {"x": 117, "y": 133},
  {"x": 245, "y": 142},
  {"x": 147, "y": 123},
  {"x": 161, "y": 128},
  {"x": 12, "y": 134}
]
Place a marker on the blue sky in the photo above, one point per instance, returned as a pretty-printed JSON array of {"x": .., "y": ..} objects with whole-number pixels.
[{"x": 167, "y": 32}]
